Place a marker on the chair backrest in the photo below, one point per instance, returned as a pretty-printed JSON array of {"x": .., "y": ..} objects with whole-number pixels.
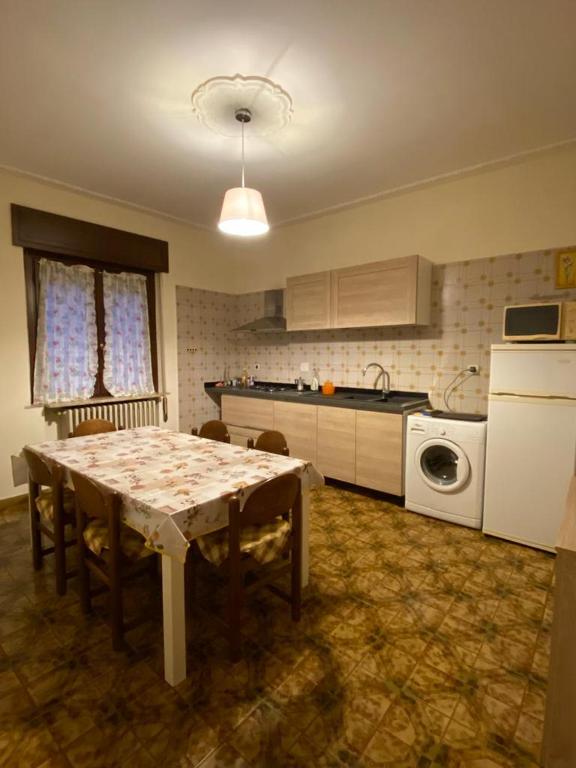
[
  {"x": 272, "y": 499},
  {"x": 93, "y": 427},
  {"x": 272, "y": 442},
  {"x": 94, "y": 501},
  {"x": 38, "y": 470},
  {"x": 214, "y": 430}
]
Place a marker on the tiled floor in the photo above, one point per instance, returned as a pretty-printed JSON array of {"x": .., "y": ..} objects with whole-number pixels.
[{"x": 422, "y": 644}]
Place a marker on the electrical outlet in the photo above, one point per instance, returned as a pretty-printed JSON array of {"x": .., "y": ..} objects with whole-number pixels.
[
  {"x": 304, "y": 367},
  {"x": 475, "y": 369}
]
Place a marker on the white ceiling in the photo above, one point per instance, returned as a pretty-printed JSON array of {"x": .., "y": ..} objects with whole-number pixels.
[{"x": 96, "y": 94}]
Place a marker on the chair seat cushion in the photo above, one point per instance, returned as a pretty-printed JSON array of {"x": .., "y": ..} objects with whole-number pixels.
[
  {"x": 132, "y": 543},
  {"x": 46, "y": 508},
  {"x": 263, "y": 543}
]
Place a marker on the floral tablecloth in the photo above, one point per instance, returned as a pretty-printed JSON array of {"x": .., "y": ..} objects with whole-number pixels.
[{"x": 174, "y": 486}]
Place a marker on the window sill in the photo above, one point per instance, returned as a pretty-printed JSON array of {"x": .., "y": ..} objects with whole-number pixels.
[{"x": 60, "y": 406}]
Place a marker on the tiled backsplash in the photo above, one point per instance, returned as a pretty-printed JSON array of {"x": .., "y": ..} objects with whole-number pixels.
[{"x": 467, "y": 303}]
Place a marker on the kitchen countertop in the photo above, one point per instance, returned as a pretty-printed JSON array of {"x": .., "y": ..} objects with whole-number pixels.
[{"x": 344, "y": 397}]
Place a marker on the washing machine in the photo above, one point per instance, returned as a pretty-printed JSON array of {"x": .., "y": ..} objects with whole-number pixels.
[{"x": 445, "y": 467}]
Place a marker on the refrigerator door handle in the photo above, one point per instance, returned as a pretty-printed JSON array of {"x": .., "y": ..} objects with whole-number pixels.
[{"x": 526, "y": 396}]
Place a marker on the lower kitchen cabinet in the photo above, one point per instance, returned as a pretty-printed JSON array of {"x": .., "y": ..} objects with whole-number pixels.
[
  {"x": 379, "y": 451},
  {"x": 298, "y": 425},
  {"x": 361, "y": 447},
  {"x": 241, "y": 435},
  {"x": 336, "y": 448},
  {"x": 248, "y": 412}
]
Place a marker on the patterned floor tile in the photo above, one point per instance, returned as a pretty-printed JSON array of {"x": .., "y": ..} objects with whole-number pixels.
[{"x": 422, "y": 645}]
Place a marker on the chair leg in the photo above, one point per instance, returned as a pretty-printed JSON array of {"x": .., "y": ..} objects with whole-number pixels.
[
  {"x": 83, "y": 571},
  {"x": 35, "y": 533},
  {"x": 115, "y": 573},
  {"x": 190, "y": 580},
  {"x": 234, "y": 618},
  {"x": 117, "y": 618},
  {"x": 83, "y": 577},
  {"x": 296, "y": 596},
  {"x": 296, "y": 572},
  {"x": 60, "y": 557}
]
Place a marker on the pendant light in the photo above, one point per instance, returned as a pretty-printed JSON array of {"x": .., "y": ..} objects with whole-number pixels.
[{"x": 243, "y": 211}]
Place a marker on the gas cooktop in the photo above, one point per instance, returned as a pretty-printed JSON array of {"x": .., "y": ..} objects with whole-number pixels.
[{"x": 271, "y": 387}]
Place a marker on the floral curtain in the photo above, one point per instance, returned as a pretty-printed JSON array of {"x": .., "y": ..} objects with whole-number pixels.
[
  {"x": 66, "y": 361},
  {"x": 127, "y": 358}
]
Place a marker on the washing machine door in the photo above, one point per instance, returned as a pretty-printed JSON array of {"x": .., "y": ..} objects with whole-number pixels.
[{"x": 442, "y": 465}]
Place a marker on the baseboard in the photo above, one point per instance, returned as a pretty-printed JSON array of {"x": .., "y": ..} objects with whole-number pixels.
[{"x": 5, "y": 503}]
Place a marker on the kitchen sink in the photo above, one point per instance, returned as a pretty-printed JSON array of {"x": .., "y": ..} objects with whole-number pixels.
[
  {"x": 393, "y": 397},
  {"x": 362, "y": 396}
]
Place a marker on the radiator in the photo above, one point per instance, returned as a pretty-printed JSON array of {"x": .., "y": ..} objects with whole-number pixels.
[{"x": 125, "y": 415}]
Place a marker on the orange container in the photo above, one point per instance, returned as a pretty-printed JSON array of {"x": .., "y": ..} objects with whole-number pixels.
[{"x": 328, "y": 388}]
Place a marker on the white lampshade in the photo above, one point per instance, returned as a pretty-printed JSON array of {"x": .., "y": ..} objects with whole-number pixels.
[{"x": 243, "y": 213}]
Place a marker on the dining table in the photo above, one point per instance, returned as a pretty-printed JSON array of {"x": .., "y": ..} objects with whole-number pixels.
[{"x": 175, "y": 487}]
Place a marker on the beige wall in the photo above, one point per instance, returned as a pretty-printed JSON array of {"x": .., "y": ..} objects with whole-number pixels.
[
  {"x": 196, "y": 259},
  {"x": 521, "y": 207},
  {"x": 524, "y": 206}
]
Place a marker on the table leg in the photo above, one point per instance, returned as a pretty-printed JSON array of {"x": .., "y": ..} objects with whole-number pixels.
[
  {"x": 174, "y": 610},
  {"x": 305, "y": 533}
]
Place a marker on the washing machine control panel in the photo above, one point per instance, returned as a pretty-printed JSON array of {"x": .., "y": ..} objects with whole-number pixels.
[{"x": 460, "y": 431}]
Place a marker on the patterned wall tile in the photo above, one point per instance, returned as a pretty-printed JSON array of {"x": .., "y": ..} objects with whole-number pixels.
[{"x": 467, "y": 303}]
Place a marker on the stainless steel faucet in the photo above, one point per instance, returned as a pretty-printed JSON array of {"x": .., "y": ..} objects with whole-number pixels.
[{"x": 385, "y": 377}]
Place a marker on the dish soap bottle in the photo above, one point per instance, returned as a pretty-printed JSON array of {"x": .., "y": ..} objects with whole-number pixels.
[{"x": 315, "y": 383}]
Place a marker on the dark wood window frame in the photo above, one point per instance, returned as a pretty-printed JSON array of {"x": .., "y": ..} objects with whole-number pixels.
[{"x": 71, "y": 241}]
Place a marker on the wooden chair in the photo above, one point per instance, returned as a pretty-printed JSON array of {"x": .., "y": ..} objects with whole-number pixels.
[
  {"x": 109, "y": 550},
  {"x": 255, "y": 545},
  {"x": 213, "y": 430},
  {"x": 271, "y": 442},
  {"x": 51, "y": 509},
  {"x": 92, "y": 427}
]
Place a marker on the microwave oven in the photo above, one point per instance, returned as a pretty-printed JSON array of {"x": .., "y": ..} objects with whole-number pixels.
[{"x": 540, "y": 322}]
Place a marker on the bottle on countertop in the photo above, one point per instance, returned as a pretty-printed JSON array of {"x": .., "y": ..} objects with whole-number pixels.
[
  {"x": 299, "y": 384},
  {"x": 244, "y": 378},
  {"x": 315, "y": 383}
]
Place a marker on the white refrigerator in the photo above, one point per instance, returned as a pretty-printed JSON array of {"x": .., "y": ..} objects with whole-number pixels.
[{"x": 531, "y": 442}]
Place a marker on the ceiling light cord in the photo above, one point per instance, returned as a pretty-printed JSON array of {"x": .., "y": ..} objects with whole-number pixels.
[{"x": 243, "y": 163}]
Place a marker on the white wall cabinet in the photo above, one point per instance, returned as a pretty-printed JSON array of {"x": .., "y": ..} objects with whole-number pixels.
[
  {"x": 392, "y": 292},
  {"x": 362, "y": 447}
]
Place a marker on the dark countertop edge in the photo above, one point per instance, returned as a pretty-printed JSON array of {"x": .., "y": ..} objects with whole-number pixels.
[{"x": 292, "y": 396}]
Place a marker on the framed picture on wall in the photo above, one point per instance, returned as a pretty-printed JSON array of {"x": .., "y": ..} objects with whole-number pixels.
[{"x": 566, "y": 269}]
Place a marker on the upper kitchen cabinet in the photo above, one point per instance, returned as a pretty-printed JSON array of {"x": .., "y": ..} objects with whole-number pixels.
[
  {"x": 307, "y": 302},
  {"x": 394, "y": 292}
]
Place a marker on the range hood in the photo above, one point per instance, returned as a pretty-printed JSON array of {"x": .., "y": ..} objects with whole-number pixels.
[{"x": 273, "y": 319}]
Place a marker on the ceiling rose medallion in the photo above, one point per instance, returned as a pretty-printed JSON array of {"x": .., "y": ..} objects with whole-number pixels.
[
  {"x": 215, "y": 101},
  {"x": 222, "y": 103}
]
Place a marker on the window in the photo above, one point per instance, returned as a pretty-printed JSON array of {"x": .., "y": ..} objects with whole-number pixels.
[
  {"x": 123, "y": 321},
  {"x": 91, "y": 327}
]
